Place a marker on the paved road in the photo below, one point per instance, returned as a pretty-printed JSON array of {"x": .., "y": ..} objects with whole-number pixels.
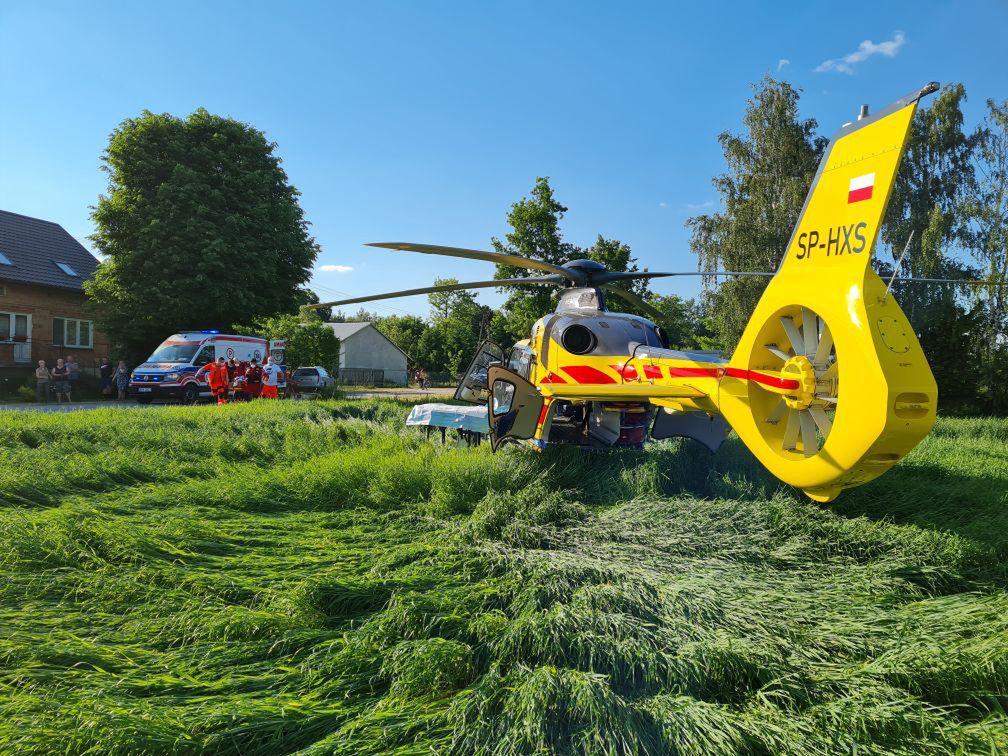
[{"x": 434, "y": 394}]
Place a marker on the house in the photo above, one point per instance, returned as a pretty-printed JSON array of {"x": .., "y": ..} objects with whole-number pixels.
[
  {"x": 42, "y": 314},
  {"x": 364, "y": 347}
]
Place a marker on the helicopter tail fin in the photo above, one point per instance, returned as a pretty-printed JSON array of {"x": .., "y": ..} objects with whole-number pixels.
[{"x": 857, "y": 393}]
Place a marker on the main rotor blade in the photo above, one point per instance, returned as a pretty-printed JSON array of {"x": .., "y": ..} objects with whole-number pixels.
[
  {"x": 962, "y": 281},
  {"x": 550, "y": 280},
  {"x": 478, "y": 254},
  {"x": 629, "y": 296},
  {"x": 610, "y": 276}
]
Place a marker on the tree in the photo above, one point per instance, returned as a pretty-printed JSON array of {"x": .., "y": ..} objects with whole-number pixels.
[
  {"x": 458, "y": 324},
  {"x": 986, "y": 208},
  {"x": 770, "y": 170},
  {"x": 535, "y": 232},
  {"x": 200, "y": 229},
  {"x": 362, "y": 315},
  {"x": 926, "y": 200},
  {"x": 407, "y": 333},
  {"x": 309, "y": 340},
  {"x": 309, "y": 297}
]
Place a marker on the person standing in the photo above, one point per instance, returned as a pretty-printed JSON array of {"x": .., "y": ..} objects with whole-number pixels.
[
  {"x": 272, "y": 374},
  {"x": 41, "y": 382},
  {"x": 61, "y": 381},
  {"x": 122, "y": 379},
  {"x": 73, "y": 373},
  {"x": 218, "y": 378},
  {"x": 237, "y": 370},
  {"x": 253, "y": 380},
  {"x": 105, "y": 373}
]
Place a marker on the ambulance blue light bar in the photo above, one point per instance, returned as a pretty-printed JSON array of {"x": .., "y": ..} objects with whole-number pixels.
[{"x": 213, "y": 331}]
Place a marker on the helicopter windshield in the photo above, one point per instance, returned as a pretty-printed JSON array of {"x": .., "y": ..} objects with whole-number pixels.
[{"x": 473, "y": 387}]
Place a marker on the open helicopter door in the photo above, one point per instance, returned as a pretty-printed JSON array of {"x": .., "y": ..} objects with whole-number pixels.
[
  {"x": 473, "y": 386},
  {"x": 514, "y": 406}
]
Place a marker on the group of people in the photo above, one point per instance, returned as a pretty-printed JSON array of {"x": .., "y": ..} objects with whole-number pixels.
[
  {"x": 113, "y": 380},
  {"x": 62, "y": 379},
  {"x": 243, "y": 380}
]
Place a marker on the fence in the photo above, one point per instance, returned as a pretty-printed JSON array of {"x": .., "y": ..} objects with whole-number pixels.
[
  {"x": 372, "y": 377},
  {"x": 360, "y": 377}
]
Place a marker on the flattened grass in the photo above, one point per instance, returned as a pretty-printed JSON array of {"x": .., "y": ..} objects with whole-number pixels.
[{"x": 282, "y": 577}]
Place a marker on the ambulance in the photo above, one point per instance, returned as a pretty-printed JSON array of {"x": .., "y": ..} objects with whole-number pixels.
[{"x": 170, "y": 373}]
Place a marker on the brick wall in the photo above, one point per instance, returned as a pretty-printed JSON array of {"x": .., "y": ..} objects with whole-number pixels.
[{"x": 45, "y": 304}]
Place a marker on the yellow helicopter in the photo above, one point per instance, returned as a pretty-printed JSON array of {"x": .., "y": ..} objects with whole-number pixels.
[{"x": 828, "y": 386}]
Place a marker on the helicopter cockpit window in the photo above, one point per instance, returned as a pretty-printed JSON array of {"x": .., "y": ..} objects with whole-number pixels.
[
  {"x": 520, "y": 361},
  {"x": 473, "y": 386},
  {"x": 503, "y": 397}
]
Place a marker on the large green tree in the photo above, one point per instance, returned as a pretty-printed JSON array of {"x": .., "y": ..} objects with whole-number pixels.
[
  {"x": 458, "y": 324},
  {"x": 200, "y": 228},
  {"x": 535, "y": 232},
  {"x": 926, "y": 203},
  {"x": 770, "y": 167},
  {"x": 986, "y": 207}
]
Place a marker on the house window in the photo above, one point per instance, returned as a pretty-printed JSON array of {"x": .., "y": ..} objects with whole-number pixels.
[
  {"x": 13, "y": 327},
  {"x": 67, "y": 269},
  {"x": 4, "y": 260},
  {"x": 73, "y": 333}
]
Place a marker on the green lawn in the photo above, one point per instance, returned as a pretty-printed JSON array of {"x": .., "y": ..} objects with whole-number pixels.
[{"x": 282, "y": 576}]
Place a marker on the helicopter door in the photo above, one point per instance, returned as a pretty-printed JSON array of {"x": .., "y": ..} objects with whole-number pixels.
[
  {"x": 473, "y": 387},
  {"x": 514, "y": 406}
]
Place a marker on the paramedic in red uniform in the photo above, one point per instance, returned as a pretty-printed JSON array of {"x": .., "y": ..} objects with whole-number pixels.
[
  {"x": 253, "y": 380},
  {"x": 217, "y": 377},
  {"x": 237, "y": 371},
  {"x": 271, "y": 378}
]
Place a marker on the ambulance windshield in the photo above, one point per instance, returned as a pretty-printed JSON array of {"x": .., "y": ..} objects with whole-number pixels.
[{"x": 178, "y": 351}]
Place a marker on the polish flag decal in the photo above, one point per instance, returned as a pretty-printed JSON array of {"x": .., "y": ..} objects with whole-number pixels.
[{"x": 861, "y": 188}]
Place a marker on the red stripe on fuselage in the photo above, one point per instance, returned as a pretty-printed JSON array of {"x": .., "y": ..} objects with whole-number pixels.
[
  {"x": 629, "y": 372},
  {"x": 689, "y": 372},
  {"x": 766, "y": 380},
  {"x": 587, "y": 374}
]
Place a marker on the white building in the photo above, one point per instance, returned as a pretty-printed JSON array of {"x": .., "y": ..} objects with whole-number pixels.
[{"x": 364, "y": 347}]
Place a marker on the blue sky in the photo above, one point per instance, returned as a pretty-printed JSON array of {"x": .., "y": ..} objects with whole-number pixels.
[{"x": 407, "y": 121}]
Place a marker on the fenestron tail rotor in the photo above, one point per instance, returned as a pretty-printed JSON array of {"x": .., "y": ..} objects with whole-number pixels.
[{"x": 804, "y": 354}]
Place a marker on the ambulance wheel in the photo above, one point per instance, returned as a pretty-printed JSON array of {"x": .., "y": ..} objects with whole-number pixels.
[{"x": 190, "y": 394}]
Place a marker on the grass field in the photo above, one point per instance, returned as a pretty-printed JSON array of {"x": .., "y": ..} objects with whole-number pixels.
[{"x": 312, "y": 576}]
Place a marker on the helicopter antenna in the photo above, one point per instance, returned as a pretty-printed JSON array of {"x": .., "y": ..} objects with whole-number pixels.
[{"x": 898, "y": 264}]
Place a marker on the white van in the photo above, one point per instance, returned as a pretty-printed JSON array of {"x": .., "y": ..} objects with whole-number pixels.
[{"x": 171, "y": 371}]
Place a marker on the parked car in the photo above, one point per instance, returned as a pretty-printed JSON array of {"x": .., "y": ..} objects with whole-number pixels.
[{"x": 311, "y": 382}]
